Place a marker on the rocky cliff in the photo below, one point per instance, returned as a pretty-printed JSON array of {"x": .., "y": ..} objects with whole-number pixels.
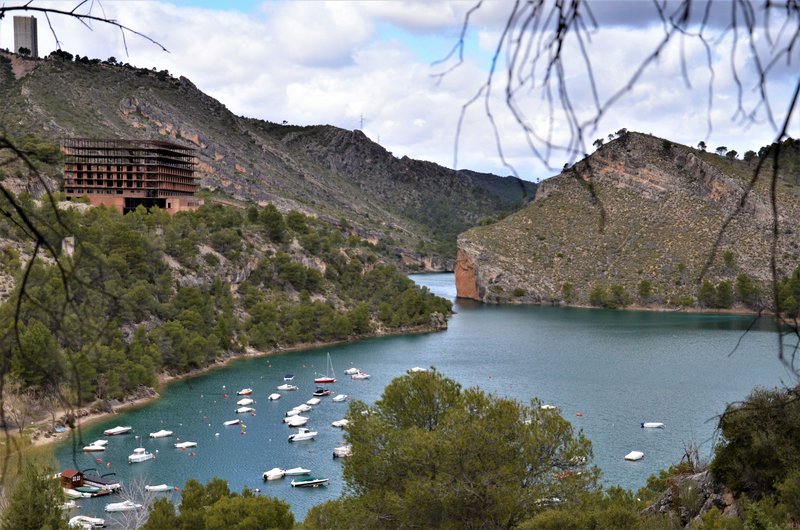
[{"x": 640, "y": 209}]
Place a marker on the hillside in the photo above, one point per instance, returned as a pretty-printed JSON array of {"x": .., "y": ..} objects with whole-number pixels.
[
  {"x": 413, "y": 209},
  {"x": 636, "y": 219}
]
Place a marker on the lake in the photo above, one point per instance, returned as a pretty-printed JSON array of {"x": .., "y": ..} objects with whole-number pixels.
[{"x": 614, "y": 368}]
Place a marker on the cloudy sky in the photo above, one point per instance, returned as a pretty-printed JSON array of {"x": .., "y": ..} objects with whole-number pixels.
[{"x": 373, "y": 65}]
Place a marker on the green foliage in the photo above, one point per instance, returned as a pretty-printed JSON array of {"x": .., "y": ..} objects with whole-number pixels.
[
  {"x": 420, "y": 459},
  {"x": 747, "y": 292},
  {"x": 724, "y": 295},
  {"x": 619, "y": 296},
  {"x": 568, "y": 292},
  {"x": 789, "y": 294},
  {"x": 519, "y": 291},
  {"x": 707, "y": 296},
  {"x": 645, "y": 291},
  {"x": 35, "y": 502},
  {"x": 598, "y": 296}
]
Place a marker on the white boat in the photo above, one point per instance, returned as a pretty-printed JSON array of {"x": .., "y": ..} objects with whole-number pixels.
[
  {"x": 140, "y": 454},
  {"x": 296, "y": 421},
  {"x": 185, "y": 445},
  {"x": 330, "y": 376},
  {"x": 360, "y": 375},
  {"x": 287, "y": 386},
  {"x": 92, "y": 447},
  {"x": 340, "y": 423},
  {"x": 634, "y": 455},
  {"x": 652, "y": 425},
  {"x": 100, "y": 442},
  {"x": 351, "y": 371},
  {"x": 288, "y": 377},
  {"x": 273, "y": 397},
  {"x": 114, "y": 431},
  {"x": 297, "y": 471},
  {"x": 342, "y": 451},
  {"x": 310, "y": 482},
  {"x": 232, "y": 422},
  {"x": 159, "y": 487},
  {"x": 69, "y": 505},
  {"x": 163, "y": 433},
  {"x": 293, "y": 417},
  {"x": 244, "y": 402},
  {"x": 302, "y": 434},
  {"x": 313, "y": 401},
  {"x": 124, "y": 506},
  {"x": 244, "y": 392},
  {"x": 75, "y": 494},
  {"x": 416, "y": 370},
  {"x": 304, "y": 407},
  {"x": 86, "y": 522},
  {"x": 244, "y": 410},
  {"x": 339, "y": 398},
  {"x": 548, "y": 406},
  {"x": 273, "y": 474}
]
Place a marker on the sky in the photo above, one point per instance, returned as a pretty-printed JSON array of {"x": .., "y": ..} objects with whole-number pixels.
[{"x": 385, "y": 67}]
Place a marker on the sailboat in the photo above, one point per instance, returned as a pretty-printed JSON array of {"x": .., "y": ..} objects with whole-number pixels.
[{"x": 330, "y": 376}]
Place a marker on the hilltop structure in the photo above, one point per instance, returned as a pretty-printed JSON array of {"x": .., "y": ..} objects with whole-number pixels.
[
  {"x": 25, "y": 35},
  {"x": 124, "y": 174}
]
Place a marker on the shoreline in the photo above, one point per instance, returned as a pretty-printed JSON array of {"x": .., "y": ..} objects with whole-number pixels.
[{"x": 45, "y": 436}]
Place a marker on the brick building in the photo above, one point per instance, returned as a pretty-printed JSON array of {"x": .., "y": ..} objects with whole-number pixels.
[{"x": 127, "y": 173}]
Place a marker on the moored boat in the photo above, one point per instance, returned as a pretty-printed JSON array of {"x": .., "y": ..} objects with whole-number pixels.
[
  {"x": 185, "y": 445},
  {"x": 108, "y": 481},
  {"x": 244, "y": 402},
  {"x": 92, "y": 447},
  {"x": 309, "y": 482},
  {"x": 330, "y": 376},
  {"x": 339, "y": 398},
  {"x": 273, "y": 397},
  {"x": 352, "y": 370},
  {"x": 343, "y": 451},
  {"x": 273, "y": 474},
  {"x": 319, "y": 392},
  {"x": 302, "y": 434},
  {"x": 360, "y": 375},
  {"x": 244, "y": 410},
  {"x": 287, "y": 386},
  {"x": 341, "y": 424},
  {"x": 296, "y": 421},
  {"x": 288, "y": 377},
  {"x": 652, "y": 425},
  {"x": 86, "y": 522},
  {"x": 158, "y": 488},
  {"x": 140, "y": 454},
  {"x": 297, "y": 471},
  {"x": 634, "y": 455},
  {"x": 163, "y": 433},
  {"x": 124, "y": 506},
  {"x": 114, "y": 431},
  {"x": 313, "y": 401},
  {"x": 232, "y": 422},
  {"x": 244, "y": 392},
  {"x": 416, "y": 370}
]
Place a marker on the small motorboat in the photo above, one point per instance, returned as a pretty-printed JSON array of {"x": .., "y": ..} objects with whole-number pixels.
[
  {"x": 416, "y": 370},
  {"x": 163, "y": 433},
  {"x": 273, "y": 397},
  {"x": 309, "y": 482},
  {"x": 92, "y": 447},
  {"x": 108, "y": 481},
  {"x": 232, "y": 422},
  {"x": 69, "y": 505},
  {"x": 158, "y": 488},
  {"x": 343, "y": 451},
  {"x": 244, "y": 402},
  {"x": 75, "y": 494},
  {"x": 297, "y": 471},
  {"x": 288, "y": 377},
  {"x": 124, "y": 506},
  {"x": 351, "y": 371},
  {"x": 320, "y": 392},
  {"x": 548, "y": 406},
  {"x": 114, "y": 431},
  {"x": 244, "y": 392},
  {"x": 273, "y": 474},
  {"x": 244, "y": 410},
  {"x": 185, "y": 445},
  {"x": 86, "y": 522},
  {"x": 296, "y": 421},
  {"x": 652, "y": 425},
  {"x": 341, "y": 424},
  {"x": 304, "y": 407},
  {"x": 302, "y": 434},
  {"x": 287, "y": 386},
  {"x": 634, "y": 455},
  {"x": 360, "y": 375},
  {"x": 339, "y": 398},
  {"x": 100, "y": 442},
  {"x": 289, "y": 419},
  {"x": 313, "y": 401},
  {"x": 140, "y": 454}
]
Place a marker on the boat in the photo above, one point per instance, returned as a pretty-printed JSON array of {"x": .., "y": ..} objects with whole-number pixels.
[
  {"x": 290, "y": 413},
  {"x": 297, "y": 471},
  {"x": 124, "y": 506},
  {"x": 108, "y": 481},
  {"x": 100, "y": 442},
  {"x": 185, "y": 445},
  {"x": 330, "y": 376},
  {"x": 273, "y": 397},
  {"x": 319, "y": 392},
  {"x": 86, "y": 522},
  {"x": 244, "y": 402},
  {"x": 287, "y": 386},
  {"x": 163, "y": 433},
  {"x": 341, "y": 424},
  {"x": 75, "y": 494},
  {"x": 652, "y": 425},
  {"x": 339, "y": 398},
  {"x": 244, "y": 392},
  {"x": 351, "y": 371},
  {"x": 302, "y": 434},
  {"x": 313, "y": 401},
  {"x": 245, "y": 410},
  {"x": 273, "y": 474},
  {"x": 304, "y": 407},
  {"x": 548, "y": 406},
  {"x": 360, "y": 375},
  {"x": 294, "y": 417},
  {"x": 158, "y": 488},
  {"x": 296, "y": 421},
  {"x": 416, "y": 370},
  {"x": 92, "y": 447},
  {"x": 288, "y": 377},
  {"x": 232, "y": 422},
  {"x": 634, "y": 455},
  {"x": 309, "y": 482},
  {"x": 140, "y": 454},
  {"x": 342, "y": 451},
  {"x": 69, "y": 505},
  {"x": 114, "y": 431}
]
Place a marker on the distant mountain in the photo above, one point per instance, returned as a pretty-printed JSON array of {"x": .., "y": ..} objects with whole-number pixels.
[
  {"x": 636, "y": 223},
  {"x": 412, "y": 209}
]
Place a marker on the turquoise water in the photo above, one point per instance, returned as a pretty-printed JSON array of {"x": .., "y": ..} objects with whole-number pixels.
[{"x": 616, "y": 368}]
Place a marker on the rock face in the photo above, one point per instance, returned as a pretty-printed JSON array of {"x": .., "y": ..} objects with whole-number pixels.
[
  {"x": 640, "y": 209},
  {"x": 689, "y": 497}
]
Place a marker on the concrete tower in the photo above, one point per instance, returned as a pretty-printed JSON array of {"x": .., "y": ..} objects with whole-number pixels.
[{"x": 25, "y": 35}]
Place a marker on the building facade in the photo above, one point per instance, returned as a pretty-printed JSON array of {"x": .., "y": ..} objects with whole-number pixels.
[
  {"x": 125, "y": 174},
  {"x": 25, "y": 35}
]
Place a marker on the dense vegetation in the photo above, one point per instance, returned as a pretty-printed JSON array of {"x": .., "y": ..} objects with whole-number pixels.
[{"x": 147, "y": 293}]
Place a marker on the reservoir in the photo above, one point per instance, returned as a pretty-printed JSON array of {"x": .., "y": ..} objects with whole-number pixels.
[{"x": 607, "y": 371}]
